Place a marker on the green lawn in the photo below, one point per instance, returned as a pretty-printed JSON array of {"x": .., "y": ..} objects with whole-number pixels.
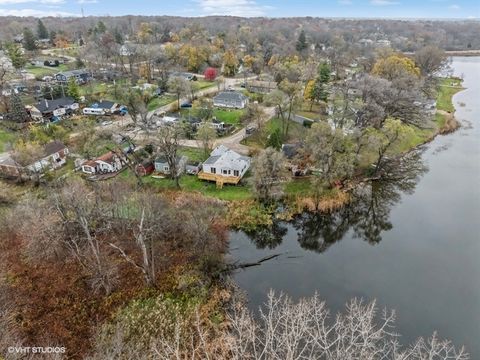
[
  {"x": 192, "y": 183},
  {"x": 311, "y": 111},
  {"x": 257, "y": 140},
  {"x": 203, "y": 84},
  {"x": 6, "y": 138},
  {"x": 96, "y": 88},
  {"x": 448, "y": 87},
  {"x": 160, "y": 101},
  {"x": 71, "y": 51},
  {"x": 300, "y": 187},
  {"x": 194, "y": 155},
  {"x": 41, "y": 71},
  {"x": 231, "y": 117}
]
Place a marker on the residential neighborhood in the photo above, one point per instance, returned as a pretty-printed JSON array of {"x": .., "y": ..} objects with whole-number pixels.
[{"x": 239, "y": 180}]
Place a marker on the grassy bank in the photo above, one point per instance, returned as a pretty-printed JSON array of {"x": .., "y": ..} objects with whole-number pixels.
[
  {"x": 446, "y": 89},
  {"x": 300, "y": 194}
]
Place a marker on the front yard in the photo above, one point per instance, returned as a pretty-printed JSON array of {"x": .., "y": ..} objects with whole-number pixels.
[
  {"x": 41, "y": 71},
  {"x": 160, "y": 101}
]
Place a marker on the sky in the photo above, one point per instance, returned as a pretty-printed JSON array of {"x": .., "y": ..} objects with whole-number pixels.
[{"x": 467, "y": 9}]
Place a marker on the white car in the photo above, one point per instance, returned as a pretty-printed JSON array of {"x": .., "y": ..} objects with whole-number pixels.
[{"x": 106, "y": 123}]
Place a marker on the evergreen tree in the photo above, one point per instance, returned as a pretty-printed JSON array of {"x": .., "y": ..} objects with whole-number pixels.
[
  {"x": 16, "y": 56},
  {"x": 73, "y": 89},
  {"x": 53, "y": 35},
  {"x": 100, "y": 28},
  {"x": 275, "y": 139},
  {"x": 117, "y": 35},
  {"x": 324, "y": 72},
  {"x": 79, "y": 63},
  {"x": 42, "y": 31},
  {"x": 301, "y": 42},
  {"x": 17, "y": 112},
  {"x": 29, "y": 40}
]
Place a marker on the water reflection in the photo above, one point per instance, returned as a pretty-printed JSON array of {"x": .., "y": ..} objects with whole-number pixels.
[
  {"x": 368, "y": 216},
  {"x": 268, "y": 237}
]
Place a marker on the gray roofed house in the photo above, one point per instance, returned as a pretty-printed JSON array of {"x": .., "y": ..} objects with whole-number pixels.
[
  {"x": 107, "y": 105},
  {"x": 46, "y": 108},
  {"x": 260, "y": 86},
  {"x": 224, "y": 166},
  {"x": 81, "y": 75},
  {"x": 162, "y": 166},
  {"x": 54, "y": 156},
  {"x": 230, "y": 99}
]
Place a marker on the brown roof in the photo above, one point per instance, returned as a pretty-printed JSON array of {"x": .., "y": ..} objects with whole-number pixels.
[
  {"x": 91, "y": 163},
  {"x": 108, "y": 157},
  {"x": 53, "y": 147}
]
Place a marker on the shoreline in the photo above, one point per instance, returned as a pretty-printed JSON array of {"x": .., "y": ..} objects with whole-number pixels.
[{"x": 248, "y": 215}]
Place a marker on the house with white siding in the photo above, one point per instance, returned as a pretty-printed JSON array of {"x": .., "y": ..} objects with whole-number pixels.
[
  {"x": 230, "y": 99},
  {"x": 224, "y": 166}
]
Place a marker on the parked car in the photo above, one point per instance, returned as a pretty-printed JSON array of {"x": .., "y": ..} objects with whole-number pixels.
[
  {"x": 106, "y": 123},
  {"x": 250, "y": 129},
  {"x": 123, "y": 111},
  {"x": 186, "y": 105}
]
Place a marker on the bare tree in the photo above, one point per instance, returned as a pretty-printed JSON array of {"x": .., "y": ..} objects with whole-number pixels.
[
  {"x": 168, "y": 142},
  {"x": 287, "y": 330},
  {"x": 178, "y": 86},
  {"x": 269, "y": 175},
  {"x": 206, "y": 135},
  {"x": 84, "y": 219},
  {"x": 148, "y": 233}
]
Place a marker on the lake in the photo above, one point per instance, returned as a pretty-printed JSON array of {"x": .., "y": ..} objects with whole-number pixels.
[{"x": 414, "y": 244}]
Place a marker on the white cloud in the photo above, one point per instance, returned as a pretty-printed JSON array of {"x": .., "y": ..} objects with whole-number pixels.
[
  {"x": 246, "y": 8},
  {"x": 345, "y": 2},
  {"x": 383, "y": 2},
  {"x": 454, "y": 7},
  {"x": 87, "y": 1},
  {"x": 35, "y": 13}
]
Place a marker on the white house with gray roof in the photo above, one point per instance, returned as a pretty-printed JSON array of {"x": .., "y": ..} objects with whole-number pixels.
[
  {"x": 225, "y": 166},
  {"x": 230, "y": 99}
]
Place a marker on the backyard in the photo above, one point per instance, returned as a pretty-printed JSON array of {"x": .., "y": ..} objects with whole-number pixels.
[{"x": 296, "y": 132}]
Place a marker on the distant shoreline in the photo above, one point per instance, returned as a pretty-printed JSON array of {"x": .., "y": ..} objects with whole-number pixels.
[{"x": 463, "y": 53}]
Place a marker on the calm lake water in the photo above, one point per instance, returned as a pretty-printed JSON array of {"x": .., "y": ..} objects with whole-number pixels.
[{"x": 414, "y": 244}]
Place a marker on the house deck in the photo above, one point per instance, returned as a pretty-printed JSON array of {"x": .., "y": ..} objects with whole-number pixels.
[{"x": 219, "y": 179}]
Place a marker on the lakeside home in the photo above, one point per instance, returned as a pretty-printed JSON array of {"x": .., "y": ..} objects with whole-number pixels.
[{"x": 224, "y": 166}]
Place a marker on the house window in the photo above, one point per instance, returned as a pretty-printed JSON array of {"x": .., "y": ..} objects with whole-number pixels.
[
  {"x": 165, "y": 168},
  {"x": 213, "y": 170},
  {"x": 235, "y": 173},
  {"x": 225, "y": 172}
]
